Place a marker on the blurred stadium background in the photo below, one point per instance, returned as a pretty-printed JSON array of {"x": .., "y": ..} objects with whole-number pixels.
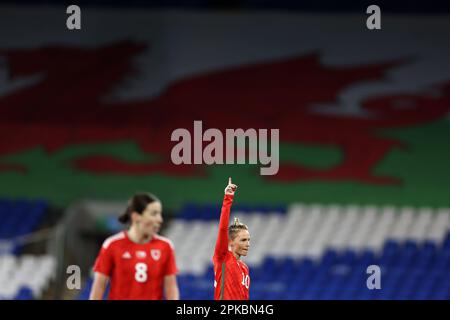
[{"x": 364, "y": 119}]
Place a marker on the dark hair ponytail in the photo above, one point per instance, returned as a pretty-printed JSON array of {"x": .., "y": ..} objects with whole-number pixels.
[
  {"x": 137, "y": 203},
  {"x": 125, "y": 217}
]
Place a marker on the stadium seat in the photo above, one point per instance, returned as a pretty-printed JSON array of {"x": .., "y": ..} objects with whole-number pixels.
[
  {"x": 318, "y": 252},
  {"x": 25, "y": 277}
]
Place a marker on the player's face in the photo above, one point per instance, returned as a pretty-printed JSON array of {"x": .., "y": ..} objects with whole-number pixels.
[
  {"x": 241, "y": 243},
  {"x": 150, "y": 220}
]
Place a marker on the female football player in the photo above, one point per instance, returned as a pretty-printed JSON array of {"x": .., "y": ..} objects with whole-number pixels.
[
  {"x": 138, "y": 263},
  {"x": 232, "y": 279}
]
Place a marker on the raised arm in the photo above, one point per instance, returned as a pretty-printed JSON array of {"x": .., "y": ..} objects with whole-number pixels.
[{"x": 222, "y": 236}]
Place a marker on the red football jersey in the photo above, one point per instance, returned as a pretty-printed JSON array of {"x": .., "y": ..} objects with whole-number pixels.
[
  {"x": 232, "y": 279},
  {"x": 136, "y": 271}
]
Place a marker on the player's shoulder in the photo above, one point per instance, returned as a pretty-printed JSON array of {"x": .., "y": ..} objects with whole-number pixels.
[
  {"x": 165, "y": 241},
  {"x": 228, "y": 256},
  {"x": 113, "y": 239}
]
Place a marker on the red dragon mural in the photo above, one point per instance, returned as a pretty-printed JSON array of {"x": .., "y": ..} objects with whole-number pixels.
[{"x": 68, "y": 106}]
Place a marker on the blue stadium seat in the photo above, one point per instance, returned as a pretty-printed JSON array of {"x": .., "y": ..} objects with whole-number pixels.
[
  {"x": 20, "y": 217},
  {"x": 24, "y": 293},
  {"x": 409, "y": 269}
]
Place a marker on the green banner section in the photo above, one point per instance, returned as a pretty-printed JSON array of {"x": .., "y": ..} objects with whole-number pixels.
[{"x": 423, "y": 169}]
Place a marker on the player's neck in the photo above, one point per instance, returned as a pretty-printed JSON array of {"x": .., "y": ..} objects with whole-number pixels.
[
  {"x": 135, "y": 236},
  {"x": 237, "y": 256}
]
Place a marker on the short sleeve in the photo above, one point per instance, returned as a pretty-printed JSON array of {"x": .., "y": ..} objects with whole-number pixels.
[
  {"x": 171, "y": 265},
  {"x": 104, "y": 262}
]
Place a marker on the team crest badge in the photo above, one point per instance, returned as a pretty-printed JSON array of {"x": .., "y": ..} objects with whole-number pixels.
[{"x": 156, "y": 254}]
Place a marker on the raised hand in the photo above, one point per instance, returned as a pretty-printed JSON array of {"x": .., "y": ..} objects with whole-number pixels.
[{"x": 231, "y": 188}]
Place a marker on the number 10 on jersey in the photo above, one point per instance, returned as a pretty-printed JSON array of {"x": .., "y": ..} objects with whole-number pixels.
[{"x": 245, "y": 280}]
